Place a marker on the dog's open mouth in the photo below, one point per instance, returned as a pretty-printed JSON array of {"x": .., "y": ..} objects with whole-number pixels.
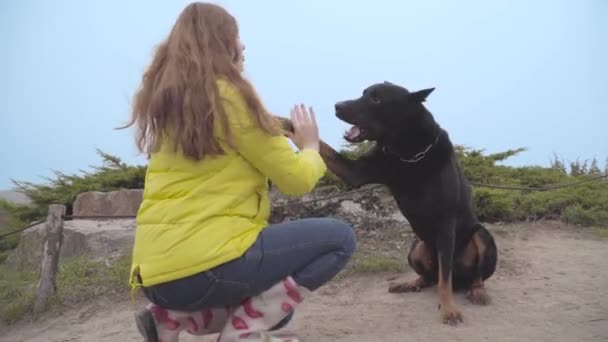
[{"x": 355, "y": 134}]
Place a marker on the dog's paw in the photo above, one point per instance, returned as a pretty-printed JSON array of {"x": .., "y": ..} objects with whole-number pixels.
[
  {"x": 392, "y": 277},
  {"x": 479, "y": 296},
  {"x": 407, "y": 286},
  {"x": 286, "y": 124},
  {"x": 450, "y": 315}
]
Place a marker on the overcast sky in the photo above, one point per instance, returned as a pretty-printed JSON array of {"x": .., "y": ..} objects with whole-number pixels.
[{"x": 507, "y": 74}]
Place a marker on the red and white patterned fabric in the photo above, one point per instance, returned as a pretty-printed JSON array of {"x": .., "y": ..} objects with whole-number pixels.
[
  {"x": 170, "y": 323},
  {"x": 255, "y": 316},
  {"x": 247, "y": 322}
]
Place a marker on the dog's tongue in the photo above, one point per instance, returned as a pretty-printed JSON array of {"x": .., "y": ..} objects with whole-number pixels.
[{"x": 353, "y": 132}]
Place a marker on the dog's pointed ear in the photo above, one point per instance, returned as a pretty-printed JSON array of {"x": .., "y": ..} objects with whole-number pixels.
[
  {"x": 421, "y": 95},
  {"x": 387, "y": 82}
]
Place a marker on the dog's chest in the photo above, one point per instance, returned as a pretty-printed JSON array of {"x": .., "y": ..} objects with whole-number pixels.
[
  {"x": 414, "y": 204},
  {"x": 422, "y": 208}
]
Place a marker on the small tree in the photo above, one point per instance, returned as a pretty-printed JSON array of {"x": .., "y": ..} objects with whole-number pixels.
[
  {"x": 113, "y": 174},
  {"x": 578, "y": 168},
  {"x": 594, "y": 169},
  {"x": 558, "y": 164}
]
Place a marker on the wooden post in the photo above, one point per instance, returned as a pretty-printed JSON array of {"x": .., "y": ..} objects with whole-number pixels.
[{"x": 47, "y": 285}]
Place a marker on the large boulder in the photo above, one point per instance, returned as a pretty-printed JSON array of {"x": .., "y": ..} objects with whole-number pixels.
[
  {"x": 102, "y": 239},
  {"x": 114, "y": 203},
  {"x": 107, "y": 238}
]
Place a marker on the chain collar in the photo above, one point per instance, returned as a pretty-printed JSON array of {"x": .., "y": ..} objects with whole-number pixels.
[{"x": 416, "y": 157}]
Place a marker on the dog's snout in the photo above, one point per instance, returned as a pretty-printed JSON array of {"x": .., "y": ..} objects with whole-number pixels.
[{"x": 339, "y": 106}]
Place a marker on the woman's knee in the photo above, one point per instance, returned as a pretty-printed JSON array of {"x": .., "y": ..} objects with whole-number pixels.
[
  {"x": 341, "y": 234},
  {"x": 336, "y": 245}
]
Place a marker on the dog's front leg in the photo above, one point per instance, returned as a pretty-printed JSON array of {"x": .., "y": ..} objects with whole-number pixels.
[
  {"x": 354, "y": 173},
  {"x": 450, "y": 314}
]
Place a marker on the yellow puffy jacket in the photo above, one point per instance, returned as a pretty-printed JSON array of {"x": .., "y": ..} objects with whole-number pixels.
[{"x": 196, "y": 215}]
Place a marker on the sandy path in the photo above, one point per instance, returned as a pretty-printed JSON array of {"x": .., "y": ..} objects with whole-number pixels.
[{"x": 551, "y": 285}]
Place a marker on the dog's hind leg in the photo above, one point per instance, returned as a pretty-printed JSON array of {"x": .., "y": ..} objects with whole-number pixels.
[
  {"x": 445, "y": 256},
  {"x": 423, "y": 260},
  {"x": 486, "y": 259}
]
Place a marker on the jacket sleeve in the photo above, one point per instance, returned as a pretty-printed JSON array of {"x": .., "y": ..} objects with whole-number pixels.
[{"x": 293, "y": 173}]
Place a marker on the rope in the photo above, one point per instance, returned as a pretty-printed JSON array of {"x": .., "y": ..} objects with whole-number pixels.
[
  {"x": 324, "y": 198},
  {"x": 505, "y": 187},
  {"x": 553, "y": 187},
  {"x": 21, "y": 229}
]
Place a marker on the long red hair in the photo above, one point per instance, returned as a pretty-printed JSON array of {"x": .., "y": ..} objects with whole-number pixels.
[{"x": 178, "y": 98}]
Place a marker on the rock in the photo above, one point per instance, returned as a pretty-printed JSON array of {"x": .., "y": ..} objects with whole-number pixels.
[
  {"x": 351, "y": 208},
  {"x": 398, "y": 216},
  {"x": 95, "y": 238},
  {"x": 105, "y": 239},
  {"x": 114, "y": 203}
]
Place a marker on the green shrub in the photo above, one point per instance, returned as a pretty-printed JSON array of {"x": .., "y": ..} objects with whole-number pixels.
[
  {"x": 493, "y": 205},
  {"x": 576, "y": 214},
  {"x": 114, "y": 174},
  {"x": 512, "y": 205}
]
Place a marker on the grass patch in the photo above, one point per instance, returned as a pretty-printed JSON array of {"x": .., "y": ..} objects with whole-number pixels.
[
  {"x": 16, "y": 294},
  {"x": 577, "y": 214},
  {"x": 82, "y": 278},
  {"x": 373, "y": 263},
  {"x": 601, "y": 232},
  {"x": 78, "y": 280}
]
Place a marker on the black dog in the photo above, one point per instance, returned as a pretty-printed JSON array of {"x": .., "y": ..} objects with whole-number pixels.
[{"x": 414, "y": 157}]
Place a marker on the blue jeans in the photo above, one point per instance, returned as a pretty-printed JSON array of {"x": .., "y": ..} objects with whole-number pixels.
[{"x": 312, "y": 251}]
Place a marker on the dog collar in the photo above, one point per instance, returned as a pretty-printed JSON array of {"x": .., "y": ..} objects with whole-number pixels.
[{"x": 417, "y": 157}]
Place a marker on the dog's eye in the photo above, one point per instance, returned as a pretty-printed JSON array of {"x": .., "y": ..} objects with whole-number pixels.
[{"x": 374, "y": 98}]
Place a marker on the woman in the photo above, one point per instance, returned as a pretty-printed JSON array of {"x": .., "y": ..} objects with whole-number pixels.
[{"x": 204, "y": 253}]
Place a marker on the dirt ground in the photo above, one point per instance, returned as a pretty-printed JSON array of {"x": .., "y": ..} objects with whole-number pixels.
[{"x": 551, "y": 285}]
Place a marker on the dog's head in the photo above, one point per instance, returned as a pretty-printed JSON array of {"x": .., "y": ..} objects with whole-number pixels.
[{"x": 382, "y": 107}]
